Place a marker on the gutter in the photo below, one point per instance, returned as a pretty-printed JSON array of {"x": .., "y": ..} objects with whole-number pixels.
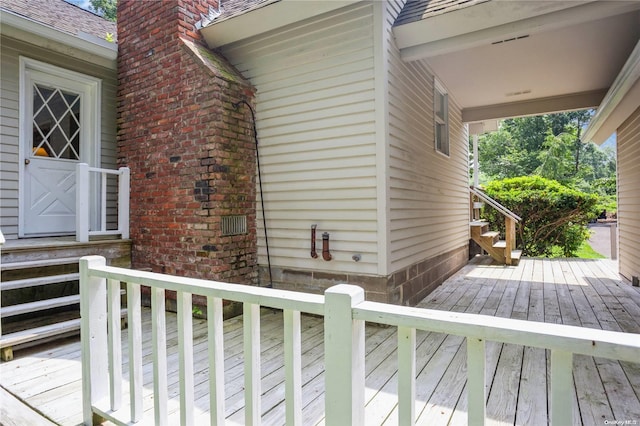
[
  {"x": 13, "y": 23},
  {"x": 623, "y": 84}
]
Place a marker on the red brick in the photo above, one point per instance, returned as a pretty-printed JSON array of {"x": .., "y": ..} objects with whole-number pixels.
[{"x": 175, "y": 122}]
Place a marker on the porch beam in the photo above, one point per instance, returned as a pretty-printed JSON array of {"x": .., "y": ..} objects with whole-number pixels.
[{"x": 574, "y": 101}]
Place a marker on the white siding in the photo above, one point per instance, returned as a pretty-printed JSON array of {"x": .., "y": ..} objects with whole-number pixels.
[
  {"x": 629, "y": 195},
  {"x": 428, "y": 192},
  {"x": 316, "y": 129},
  {"x": 9, "y": 141},
  {"x": 9, "y": 98}
]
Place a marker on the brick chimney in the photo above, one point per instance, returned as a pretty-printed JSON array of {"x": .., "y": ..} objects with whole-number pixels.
[{"x": 192, "y": 154}]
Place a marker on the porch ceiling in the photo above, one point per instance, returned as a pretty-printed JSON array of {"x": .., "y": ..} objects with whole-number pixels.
[{"x": 529, "y": 57}]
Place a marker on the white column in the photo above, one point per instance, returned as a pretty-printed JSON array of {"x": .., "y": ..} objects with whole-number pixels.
[{"x": 476, "y": 162}]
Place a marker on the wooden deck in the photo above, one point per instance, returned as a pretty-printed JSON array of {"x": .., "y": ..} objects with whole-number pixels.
[{"x": 576, "y": 292}]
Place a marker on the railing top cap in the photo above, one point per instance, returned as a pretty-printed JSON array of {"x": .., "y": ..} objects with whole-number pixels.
[{"x": 493, "y": 203}]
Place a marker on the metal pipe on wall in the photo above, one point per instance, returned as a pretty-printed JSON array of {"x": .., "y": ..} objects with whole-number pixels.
[
  {"x": 314, "y": 254},
  {"x": 326, "y": 254}
]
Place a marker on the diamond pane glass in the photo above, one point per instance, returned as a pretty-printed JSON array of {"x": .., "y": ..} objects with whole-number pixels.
[{"x": 56, "y": 123}]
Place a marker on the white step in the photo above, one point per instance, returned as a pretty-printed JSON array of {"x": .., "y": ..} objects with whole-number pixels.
[
  {"x": 43, "y": 333},
  {"x": 39, "y": 305},
  {"x": 516, "y": 254},
  {"x": 10, "y": 266},
  {"x": 39, "y": 333},
  {"x": 32, "y": 282}
]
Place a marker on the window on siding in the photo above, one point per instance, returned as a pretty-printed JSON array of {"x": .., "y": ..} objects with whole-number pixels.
[{"x": 441, "y": 118}]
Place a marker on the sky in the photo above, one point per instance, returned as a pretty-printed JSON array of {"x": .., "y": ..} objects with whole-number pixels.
[{"x": 82, "y": 3}]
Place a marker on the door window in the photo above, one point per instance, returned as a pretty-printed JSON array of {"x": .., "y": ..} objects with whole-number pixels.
[{"x": 56, "y": 123}]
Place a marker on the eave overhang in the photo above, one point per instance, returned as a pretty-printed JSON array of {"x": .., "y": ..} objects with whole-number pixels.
[
  {"x": 85, "y": 47},
  {"x": 267, "y": 18},
  {"x": 620, "y": 101},
  {"x": 495, "y": 20}
]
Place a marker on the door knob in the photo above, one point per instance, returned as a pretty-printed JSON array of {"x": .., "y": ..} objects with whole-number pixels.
[{"x": 27, "y": 161}]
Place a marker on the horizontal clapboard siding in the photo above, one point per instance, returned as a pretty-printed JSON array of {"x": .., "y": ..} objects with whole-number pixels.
[
  {"x": 9, "y": 146},
  {"x": 428, "y": 192},
  {"x": 9, "y": 131},
  {"x": 629, "y": 195},
  {"x": 315, "y": 111}
]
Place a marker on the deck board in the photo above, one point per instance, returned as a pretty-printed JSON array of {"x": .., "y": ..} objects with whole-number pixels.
[{"x": 576, "y": 292}]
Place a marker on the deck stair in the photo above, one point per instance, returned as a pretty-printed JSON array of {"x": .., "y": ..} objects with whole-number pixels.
[
  {"x": 502, "y": 251},
  {"x": 40, "y": 291},
  {"x": 491, "y": 243},
  {"x": 43, "y": 285}
]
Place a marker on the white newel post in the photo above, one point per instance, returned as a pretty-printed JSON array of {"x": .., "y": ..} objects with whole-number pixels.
[
  {"x": 561, "y": 388},
  {"x": 252, "y": 376},
  {"x": 476, "y": 375},
  {"x": 82, "y": 202},
  {"x": 344, "y": 357},
  {"x": 406, "y": 375},
  {"x": 93, "y": 314},
  {"x": 123, "y": 202}
]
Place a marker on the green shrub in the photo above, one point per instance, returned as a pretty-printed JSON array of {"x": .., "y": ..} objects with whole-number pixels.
[{"x": 553, "y": 215}]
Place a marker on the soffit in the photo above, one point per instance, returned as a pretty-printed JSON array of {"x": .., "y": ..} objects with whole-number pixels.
[{"x": 564, "y": 55}]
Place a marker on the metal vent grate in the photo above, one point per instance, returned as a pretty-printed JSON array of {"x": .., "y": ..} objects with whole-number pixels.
[{"x": 234, "y": 225}]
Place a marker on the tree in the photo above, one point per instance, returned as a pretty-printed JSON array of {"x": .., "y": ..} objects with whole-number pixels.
[
  {"x": 105, "y": 8},
  {"x": 556, "y": 159},
  {"x": 554, "y": 217},
  {"x": 547, "y": 145}
]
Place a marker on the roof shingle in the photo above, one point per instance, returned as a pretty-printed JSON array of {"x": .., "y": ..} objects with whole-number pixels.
[
  {"x": 417, "y": 10},
  {"x": 233, "y": 8},
  {"x": 61, "y": 16}
]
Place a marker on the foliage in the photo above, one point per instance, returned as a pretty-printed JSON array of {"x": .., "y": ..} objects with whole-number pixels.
[
  {"x": 585, "y": 251},
  {"x": 547, "y": 144},
  {"x": 550, "y": 146},
  {"x": 553, "y": 215},
  {"x": 105, "y": 8}
]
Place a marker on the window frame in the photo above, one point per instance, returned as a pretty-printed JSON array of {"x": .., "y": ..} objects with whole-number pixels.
[{"x": 441, "y": 146}]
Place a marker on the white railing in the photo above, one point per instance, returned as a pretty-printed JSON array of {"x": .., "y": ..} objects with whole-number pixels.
[
  {"x": 496, "y": 205},
  {"x": 345, "y": 313},
  {"x": 84, "y": 202}
]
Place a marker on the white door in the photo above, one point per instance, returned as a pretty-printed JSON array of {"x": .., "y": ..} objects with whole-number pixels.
[{"x": 57, "y": 128}]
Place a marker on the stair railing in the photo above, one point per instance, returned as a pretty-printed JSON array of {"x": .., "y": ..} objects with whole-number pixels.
[
  {"x": 510, "y": 219},
  {"x": 84, "y": 203}
]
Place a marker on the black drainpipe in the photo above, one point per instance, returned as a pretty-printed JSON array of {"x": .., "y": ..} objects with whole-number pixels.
[{"x": 264, "y": 218}]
